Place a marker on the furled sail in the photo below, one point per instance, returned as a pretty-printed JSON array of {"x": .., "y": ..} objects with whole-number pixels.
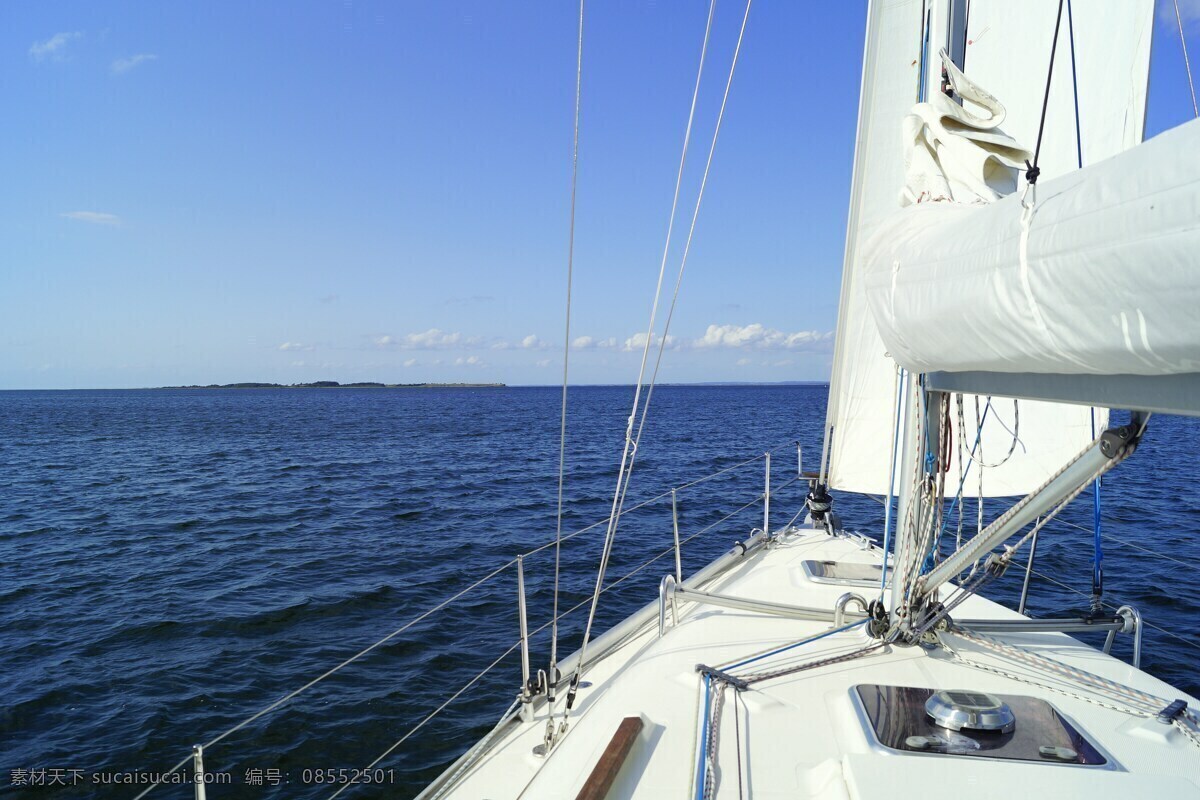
[
  {"x": 1097, "y": 277},
  {"x": 952, "y": 153},
  {"x": 1007, "y": 50}
]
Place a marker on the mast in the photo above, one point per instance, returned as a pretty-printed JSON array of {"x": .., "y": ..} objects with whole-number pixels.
[{"x": 921, "y": 461}]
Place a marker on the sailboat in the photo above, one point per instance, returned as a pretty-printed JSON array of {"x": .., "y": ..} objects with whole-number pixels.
[{"x": 1018, "y": 262}]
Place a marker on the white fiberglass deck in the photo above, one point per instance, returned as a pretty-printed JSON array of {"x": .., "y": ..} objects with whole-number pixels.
[{"x": 801, "y": 735}]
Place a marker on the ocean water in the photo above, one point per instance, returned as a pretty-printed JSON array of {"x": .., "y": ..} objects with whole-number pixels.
[{"x": 173, "y": 561}]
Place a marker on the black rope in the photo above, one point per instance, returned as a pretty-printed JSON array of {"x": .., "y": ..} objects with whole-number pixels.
[{"x": 1032, "y": 171}]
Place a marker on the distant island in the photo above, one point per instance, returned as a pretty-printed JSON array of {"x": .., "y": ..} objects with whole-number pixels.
[{"x": 336, "y": 385}]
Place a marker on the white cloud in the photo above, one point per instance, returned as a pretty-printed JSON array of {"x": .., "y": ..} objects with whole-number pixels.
[
  {"x": 53, "y": 48},
  {"x": 432, "y": 339},
  {"x": 94, "y": 217},
  {"x": 292, "y": 346},
  {"x": 638, "y": 342},
  {"x": 1189, "y": 13},
  {"x": 759, "y": 337},
  {"x": 590, "y": 343},
  {"x": 468, "y": 361},
  {"x": 545, "y": 362},
  {"x": 532, "y": 342},
  {"x": 742, "y": 362},
  {"x": 410, "y": 362},
  {"x": 123, "y": 65},
  {"x": 747, "y": 337}
]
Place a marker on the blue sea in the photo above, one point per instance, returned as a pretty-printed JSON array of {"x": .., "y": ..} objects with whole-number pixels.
[{"x": 172, "y": 561}]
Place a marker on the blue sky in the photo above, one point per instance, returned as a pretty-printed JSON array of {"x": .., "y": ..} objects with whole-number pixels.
[{"x": 368, "y": 190}]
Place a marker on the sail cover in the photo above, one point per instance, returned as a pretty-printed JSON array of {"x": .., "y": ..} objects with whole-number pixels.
[
  {"x": 1097, "y": 277},
  {"x": 1008, "y": 45}
]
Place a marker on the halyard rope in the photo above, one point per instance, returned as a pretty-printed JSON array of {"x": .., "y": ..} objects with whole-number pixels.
[{"x": 1150, "y": 705}]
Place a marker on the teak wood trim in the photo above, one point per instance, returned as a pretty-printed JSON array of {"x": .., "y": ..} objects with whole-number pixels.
[{"x": 605, "y": 772}]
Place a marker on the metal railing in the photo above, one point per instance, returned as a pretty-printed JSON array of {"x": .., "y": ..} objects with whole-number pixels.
[{"x": 196, "y": 757}]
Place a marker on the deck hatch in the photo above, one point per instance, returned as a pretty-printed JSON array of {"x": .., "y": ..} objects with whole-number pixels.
[
  {"x": 843, "y": 572},
  {"x": 898, "y": 718}
]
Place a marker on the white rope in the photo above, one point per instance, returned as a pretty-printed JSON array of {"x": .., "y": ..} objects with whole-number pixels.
[
  {"x": 1137, "y": 702},
  {"x": 622, "y": 481},
  {"x": 1186, "y": 63},
  {"x": 562, "y": 425},
  {"x": 1014, "y": 431}
]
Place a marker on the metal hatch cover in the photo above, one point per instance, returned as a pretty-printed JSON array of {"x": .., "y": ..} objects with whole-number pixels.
[
  {"x": 843, "y": 573},
  {"x": 896, "y": 718}
]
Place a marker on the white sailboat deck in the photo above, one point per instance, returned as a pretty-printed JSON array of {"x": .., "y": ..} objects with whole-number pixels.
[{"x": 804, "y": 734}]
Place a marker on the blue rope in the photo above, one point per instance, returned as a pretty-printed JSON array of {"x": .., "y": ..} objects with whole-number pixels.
[
  {"x": 1098, "y": 558},
  {"x": 701, "y": 773},
  {"x": 794, "y": 645}
]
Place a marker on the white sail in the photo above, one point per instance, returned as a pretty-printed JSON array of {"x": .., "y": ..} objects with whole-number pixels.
[{"x": 1008, "y": 46}]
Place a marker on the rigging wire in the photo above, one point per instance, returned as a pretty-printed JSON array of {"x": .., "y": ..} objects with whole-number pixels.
[
  {"x": 631, "y": 443},
  {"x": 662, "y": 342},
  {"x": 622, "y": 480},
  {"x": 562, "y": 431},
  {"x": 1186, "y": 62}
]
